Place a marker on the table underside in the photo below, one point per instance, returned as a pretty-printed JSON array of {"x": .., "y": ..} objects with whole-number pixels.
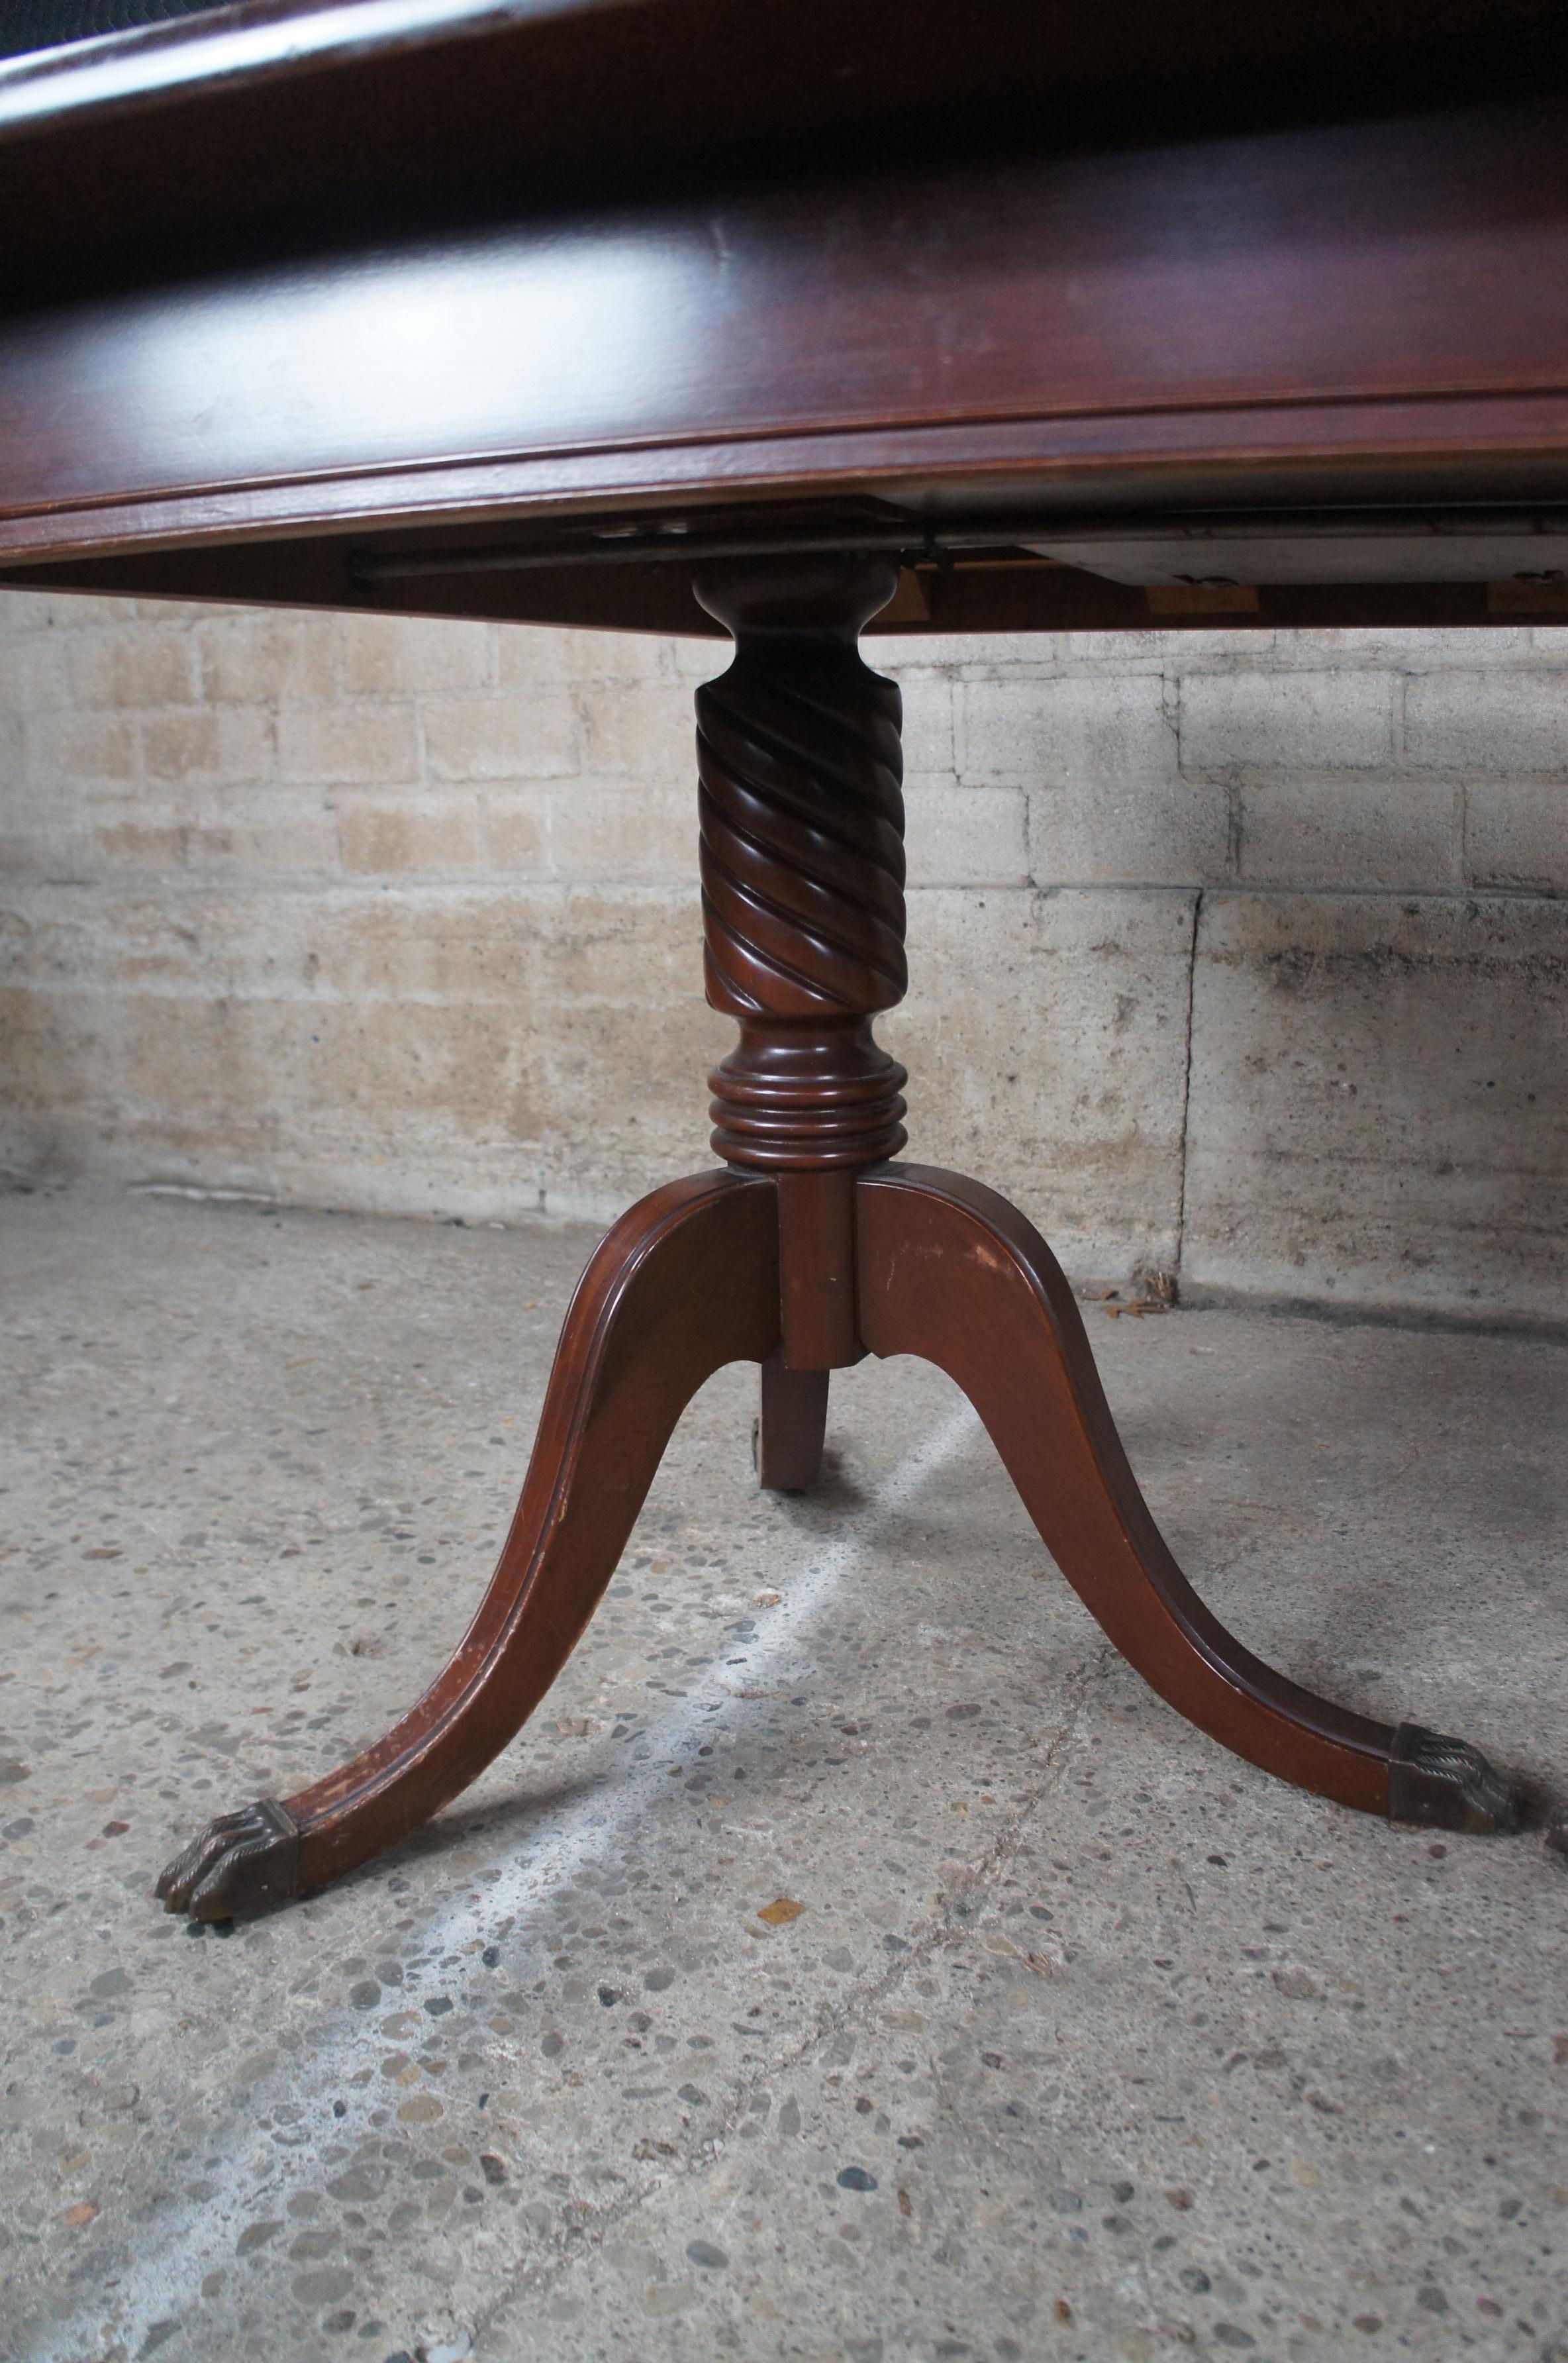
[{"x": 1291, "y": 352}]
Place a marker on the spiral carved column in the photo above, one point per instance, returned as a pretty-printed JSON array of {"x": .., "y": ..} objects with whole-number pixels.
[{"x": 803, "y": 863}]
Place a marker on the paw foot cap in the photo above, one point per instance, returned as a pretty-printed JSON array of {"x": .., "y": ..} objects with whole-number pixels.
[
  {"x": 1445, "y": 1785},
  {"x": 241, "y": 1862}
]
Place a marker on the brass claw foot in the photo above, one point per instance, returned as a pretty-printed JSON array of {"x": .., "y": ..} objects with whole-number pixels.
[
  {"x": 1446, "y": 1784},
  {"x": 239, "y": 1863}
]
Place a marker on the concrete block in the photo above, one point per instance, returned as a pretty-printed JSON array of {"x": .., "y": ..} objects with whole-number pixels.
[
  {"x": 69, "y": 611},
  {"x": 692, "y": 660},
  {"x": 254, "y": 657},
  {"x": 645, "y": 730},
  {"x": 1103, "y": 832},
  {"x": 87, "y": 749},
  {"x": 409, "y": 1047},
  {"x": 531, "y": 736},
  {"x": 1493, "y": 724},
  {"x": 917, "y": 656},
  {"x": 31, "y": 847},
  {"x": 143, "y": 837},
  {"x": 1222, "y": 646},
  {"x": 1418, "y": 650},
  {"x": 965, "y": 837},
  {"x": 365, "y": 741},
  {"x": 928, "y": 725},
  {"x": 1516, "y": 834},
  {"x": 229, "y": 743},
  {"x": 628, "y": 1103},
  {"x": 431, "y": 835},
  {"x": 1349, "y": 833},
  {"x": 1078, "y": 729},
  {"x": 262, "y": 836},
  {"x": 59, "y": 939},
  {"x": 528, "y": 656},
  {"x": 1045, "y": 1034},
  {"x": 263, "y": 833},
  {"x": 1166, "y": 652},
  {"x": 31, "y": 611},
  {"x": 369, "y": 1083},
  {"x": 451, "y": 941},
  {"x": 1376, "y": 1113},
  {"x": 517, "y": 830},
  {"x": 610, "y": 830},
  {"x": 135, "y": 665},
  {"x": 459, "y": 944},
  {"x": 32, "y": 671},
  {"x": 1291, "y": 723},
  {"x": 393, "y": 656},
  {"x": 1002, "y": 655},
  {"x": 622, "y": 948},
  {"x": 149, "y": 611}
]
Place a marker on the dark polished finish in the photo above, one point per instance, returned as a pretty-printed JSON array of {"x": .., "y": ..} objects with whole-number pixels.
[
  {"x": 1445, "y": 1785},
  {"x": 952, "y": 1272},
  {"x": 802, "y": 865},
  {"x": 1199, "y": 323},
  {"x": 260, "y": 122},
  {"x": 787, "y": 1440},
  {"x": 796, "y": 319},
  {"x": 686, "y": 1282},
  {"x": 243, "y": 1861},
  {"x": 303, "y": 303}
]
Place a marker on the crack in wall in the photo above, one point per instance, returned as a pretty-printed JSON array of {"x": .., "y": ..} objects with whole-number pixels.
[{"x": 1186, "y": 1092}]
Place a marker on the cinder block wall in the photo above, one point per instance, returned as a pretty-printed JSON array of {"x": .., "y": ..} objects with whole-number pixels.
[{"x": 1237, "y": 956}]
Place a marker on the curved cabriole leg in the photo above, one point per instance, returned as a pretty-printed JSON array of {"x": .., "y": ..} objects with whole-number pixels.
[
  {"x": 686, "y": 1282},
  {"x": 949, "y": 1270},
  {"x": 787, "y": 1442}
]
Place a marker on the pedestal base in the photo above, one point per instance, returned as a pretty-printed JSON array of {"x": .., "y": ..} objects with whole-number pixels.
[
  {"x": 688, "y": 1281},
  {"x": 812, "y": 1250}
]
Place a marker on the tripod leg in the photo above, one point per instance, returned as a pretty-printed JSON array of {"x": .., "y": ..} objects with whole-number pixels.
[
  {"x": 787, "y": 1441},
  {"x": 686, "y": 1282},
  {"x": 949, "y": 1270}
]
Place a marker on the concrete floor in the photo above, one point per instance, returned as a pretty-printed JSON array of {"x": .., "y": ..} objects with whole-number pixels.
[{"x": 1088, "y": 2041}]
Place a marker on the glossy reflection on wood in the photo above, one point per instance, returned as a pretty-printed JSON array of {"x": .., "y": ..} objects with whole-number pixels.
[{"x": 950, "y": 1271}]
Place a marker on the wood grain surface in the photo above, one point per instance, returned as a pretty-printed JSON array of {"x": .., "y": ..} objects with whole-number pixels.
[
  {"x": 1328, "y": 312},
  {"x": 949, "y": 1270},
  {"x": 685, "y": 1283},
  {"x": 262, "y": 122}
]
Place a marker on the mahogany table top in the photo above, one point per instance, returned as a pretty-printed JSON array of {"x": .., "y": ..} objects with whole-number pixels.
[{"x": 1099, "y": 316}]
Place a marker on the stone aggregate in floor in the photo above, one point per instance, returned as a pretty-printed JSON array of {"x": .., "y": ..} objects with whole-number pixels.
[{"x": 853, "y": 1961}]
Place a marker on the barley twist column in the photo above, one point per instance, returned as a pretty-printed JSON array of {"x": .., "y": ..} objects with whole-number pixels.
[{"x": 802, "y": 865}]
